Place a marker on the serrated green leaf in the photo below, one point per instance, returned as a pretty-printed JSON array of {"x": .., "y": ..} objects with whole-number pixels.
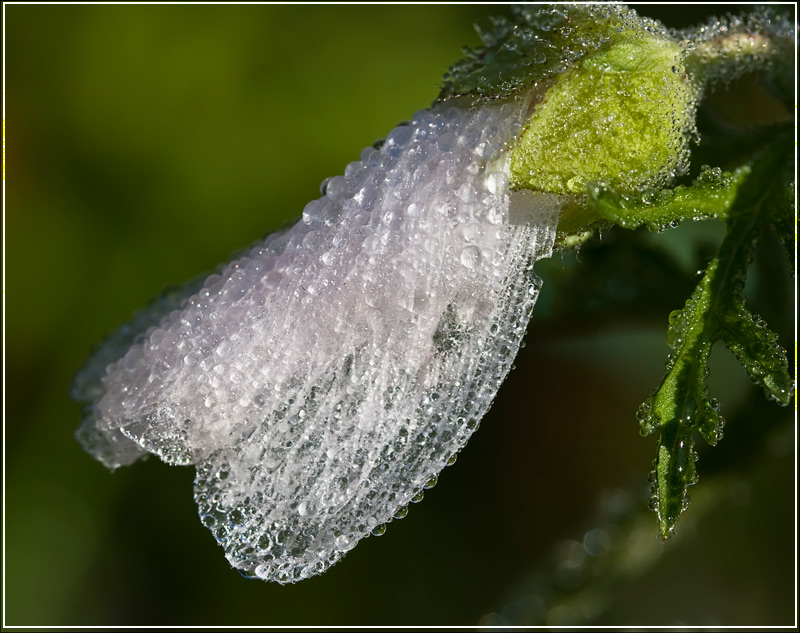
[
  {"x": 711, "y": 196},
  {"x": 531, "y": 46},
  {"x": 783, "y": 215},
  {"x": 674, "y": 470},
  {"x": 716, "y": 311},
  {"x": 757, "y": 348}
]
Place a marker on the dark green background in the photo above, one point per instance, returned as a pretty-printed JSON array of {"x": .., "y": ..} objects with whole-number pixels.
[{"x": 147, "y": 143}]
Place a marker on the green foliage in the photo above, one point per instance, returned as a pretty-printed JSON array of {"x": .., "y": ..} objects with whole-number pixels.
[
  {"x": 614, "y": 126},
  {"x": 711, "y": 196},
  {"x": 532, "y": 46},
  {"x": 756, "y": 196}
]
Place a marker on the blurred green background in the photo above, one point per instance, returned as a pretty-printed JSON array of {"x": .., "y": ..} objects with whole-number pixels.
[{"x": 145, "y": 144}]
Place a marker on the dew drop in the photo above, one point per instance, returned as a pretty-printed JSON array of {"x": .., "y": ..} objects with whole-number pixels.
[
  {"x": 470, "y": 256},
  {"x": 323, "y": 186},
  {"x": 378, "y": 530}
]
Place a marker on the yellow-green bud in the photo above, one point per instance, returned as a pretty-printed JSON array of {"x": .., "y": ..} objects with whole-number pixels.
[
  {"x": 623, "y": 116},
  {"x": 610, "y": 100}
]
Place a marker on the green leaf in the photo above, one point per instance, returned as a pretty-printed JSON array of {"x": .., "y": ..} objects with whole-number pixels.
[
  {"x": 710, "y": 196},
  {"x": 757, "y": 348},
  {"x": 782, "y": 220},
  {"x": 532, "y": 46},
  {"x": 715, "y": 311}
]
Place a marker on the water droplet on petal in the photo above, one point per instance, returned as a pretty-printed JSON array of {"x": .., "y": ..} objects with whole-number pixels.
[{"x": 470, "y": 257}]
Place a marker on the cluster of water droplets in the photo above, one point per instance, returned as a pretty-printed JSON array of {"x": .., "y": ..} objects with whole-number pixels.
[
  {"x": 322, "y": 380},
  {"x": 762, "y": 40},
  {"x": 536, "y": 44}
]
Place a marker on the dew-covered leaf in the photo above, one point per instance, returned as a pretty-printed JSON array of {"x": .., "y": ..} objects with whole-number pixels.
[
  {"x": 757, "y": 348},
  {"x": 716, "y": 311},
  {"x": 538, "y": 43},
  {"x": 710, "y": 196}
]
